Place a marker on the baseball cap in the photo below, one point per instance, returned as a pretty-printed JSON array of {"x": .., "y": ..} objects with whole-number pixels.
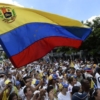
[
  {"x": 54, "y": 76},
  {"x": 35, "y": 82},
  {"x": 63, "y": 85},
  {"x": 18, "y": 83},
  {"x": 7, "y": 81}
]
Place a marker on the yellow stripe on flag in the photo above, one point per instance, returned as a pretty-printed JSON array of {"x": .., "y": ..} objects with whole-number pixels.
[{"x": 25, "y": 15}]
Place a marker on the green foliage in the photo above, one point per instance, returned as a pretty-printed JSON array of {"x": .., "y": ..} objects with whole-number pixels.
[
  {"x": 92, "y": 43},
  {"x": 5, "y": 56},
  {"x": 63, "y": 49}
]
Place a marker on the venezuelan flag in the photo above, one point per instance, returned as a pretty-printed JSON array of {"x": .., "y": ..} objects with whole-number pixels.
[{"x": 27, "y": 35}]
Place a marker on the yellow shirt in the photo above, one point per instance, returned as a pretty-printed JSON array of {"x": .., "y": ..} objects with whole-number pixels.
[{"x": 6, "y": 91}]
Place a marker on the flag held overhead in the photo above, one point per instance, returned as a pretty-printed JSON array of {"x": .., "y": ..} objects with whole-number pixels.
[{"x": 27, "y": 35}]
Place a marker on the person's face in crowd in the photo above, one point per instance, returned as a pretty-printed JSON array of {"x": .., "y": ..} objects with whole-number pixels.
[
  {"x": 54, "y": 81},
  {"x": 9, "y": 85},
  {"x": 29, "y": 92},
  {"x": 65, "y": 90},
  {"x": 15, "y": 97},
  {"x": 72, "y": 71},
  {"x": 80, "y": 89},
  {"x": 82, "y": 71},
  {"x": 9, "y": 75},
  {"x": 42, "y": 92},
  {"x": 37, "y": 77},
  {"x": 28, "y": 80},
  {"x": 78, "y": 73},
  {"x": 98, "y": 95},
  {"x": 31, "y": 74},
  {"x": 74, "y": 81}
]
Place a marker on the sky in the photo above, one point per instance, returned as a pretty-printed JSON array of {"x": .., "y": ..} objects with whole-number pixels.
[{"x": 81, "y": 10}]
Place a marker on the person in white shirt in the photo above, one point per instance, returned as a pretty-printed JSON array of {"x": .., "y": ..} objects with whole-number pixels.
[
  {"x": 76, "y": 83},
  {"x": 11, "y": 77},
  {"x": 2, "y": 79},
  {"x": 97, "y": 76},
  {"x": 64, "y": 94},
  {"x": 51, "y": 93},
  {"x": 88, "y": 72},
  {"x": 28, "y": 93},
  {"x": 77, "y": 65},
  {"x": 72, "y": 81},
  {"x": 20, "y": 90}
]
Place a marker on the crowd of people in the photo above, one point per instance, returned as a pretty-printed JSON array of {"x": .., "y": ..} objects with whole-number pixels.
[{"x": 45, "y": 80}]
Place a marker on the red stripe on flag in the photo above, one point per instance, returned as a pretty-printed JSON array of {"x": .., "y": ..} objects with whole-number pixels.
[{"x": 41, "y": 48}]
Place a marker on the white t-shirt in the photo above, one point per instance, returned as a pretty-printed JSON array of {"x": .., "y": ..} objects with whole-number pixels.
[
  {"x": 57, "y": 72},
  {"x": 97, "y": 76},
  {"x": 2, "y": 85},
  {"x": 64, "y": 97},
  {"x": 26, "y": 98},
  {"x": 77, "y": 84},
  {"x": 21, "y": 93},
  {"x": 87, "y": 75},
  {"x": 37, "y": 68},
  {"x": 76, "y": 66},
  {"x": 13, "y": 79},
  {"x": 63, "y": 68},
  {"x": 70, "y": 88}
]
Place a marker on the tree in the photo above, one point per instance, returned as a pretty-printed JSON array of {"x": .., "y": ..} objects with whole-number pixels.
[{"x": 92, "y": 43}]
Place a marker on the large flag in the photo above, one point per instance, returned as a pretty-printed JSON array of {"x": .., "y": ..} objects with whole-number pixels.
[{"x": 27, "y": 35}]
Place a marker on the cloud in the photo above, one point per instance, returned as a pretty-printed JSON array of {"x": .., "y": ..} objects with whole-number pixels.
[
  {"x": 11, "y": 2},
  {"x": 91, "y": 19}
]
